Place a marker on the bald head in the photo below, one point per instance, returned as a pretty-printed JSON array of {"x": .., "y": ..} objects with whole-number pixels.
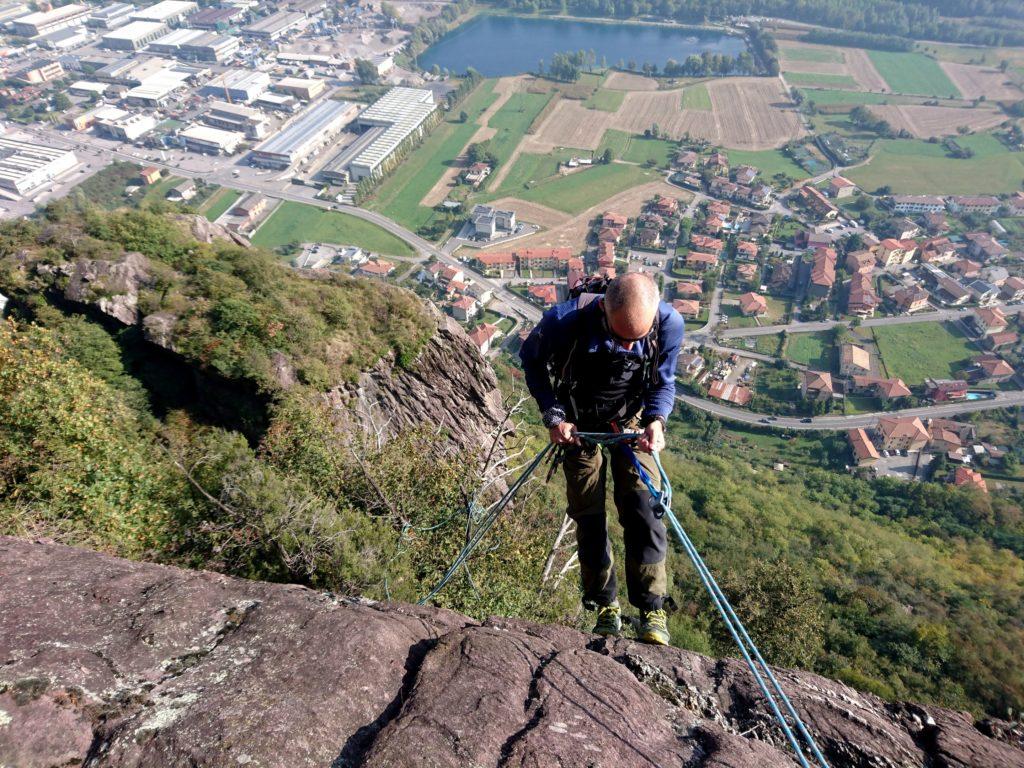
[{"x": 631, "y": 302}]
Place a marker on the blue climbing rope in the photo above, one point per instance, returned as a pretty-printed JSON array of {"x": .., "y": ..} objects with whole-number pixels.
[{"x": 661, "y": 493}]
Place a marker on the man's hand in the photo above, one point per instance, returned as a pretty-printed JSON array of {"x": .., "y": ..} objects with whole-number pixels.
[
  {"x": 564, "y": 434},
  {"x": 653, "y": 438}
]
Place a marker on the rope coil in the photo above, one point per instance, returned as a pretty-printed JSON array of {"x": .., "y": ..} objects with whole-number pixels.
[{"x": 662, "y": 496}]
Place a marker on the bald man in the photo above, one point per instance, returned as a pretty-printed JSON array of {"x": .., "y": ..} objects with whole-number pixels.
[{"x": 613, "y": 359}]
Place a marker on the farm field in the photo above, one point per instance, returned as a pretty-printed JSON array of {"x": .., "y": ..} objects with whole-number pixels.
[
  {"x": 606, "y": 100},
  {"x": 529, "y": 169},
  {"x": 917, "y": 351},
  {"x": 913, "y": 73},
  {"x": 637, "y": 149},
  {"x": 863, "y": 70},
  {"x": 917, "y": 167},
  {"x": 811, "y": 349},
  {"x": 769, "y": 161},
  {"x": 219, "y": 203},
  {"x": 697, "y": 97},
  {"x": 820, "y": 78},
  {"x": 977, "y": 82},
  {"x": 579, "y": 191},
  {"x": 297, "y": 222},
  {"x": 825, "y": 97},
  {"x": 399, "y": 195},
  {"x": 818, "y": 54},
  {"x": 627, "y": 81},
  {"x": 924, "y": 122},
  {"x": 511, "y": 121}
]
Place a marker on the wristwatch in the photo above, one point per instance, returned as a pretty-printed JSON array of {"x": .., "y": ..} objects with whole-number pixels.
[
  {"x": 657, "y": 417},
  {"x": 553, "y": 416}
]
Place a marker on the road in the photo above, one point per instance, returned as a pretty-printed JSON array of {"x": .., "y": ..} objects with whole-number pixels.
[
  {"x": 825, "y": 325},
  {"x": 864, "y": 420}
]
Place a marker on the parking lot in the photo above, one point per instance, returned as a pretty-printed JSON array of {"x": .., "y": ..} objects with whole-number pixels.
[{"x": 913, "y": 466}]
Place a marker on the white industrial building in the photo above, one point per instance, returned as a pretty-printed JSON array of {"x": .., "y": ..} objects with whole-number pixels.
[
  {"x": 111, "y": 16},
  {"x": 399, "y": 115},
  {"x": 237, "y": 117},
  {"x": 133, "y": 36},
  {"x": 276, "y": 25},
  {"x": 211, "y": 141},
  {"x": 196, "y": 45},
  {"x": 45, "y": 22},
  {"x": 122, "y": 124},
  {"x": 86, "y": 88},
  {"x": 26, "y": 166},
  {"x": 168, "y": 12},
  {"x": 65, "y": 39},
  {"x": 237, "y": 85},
  {"x": 156, "y": 90},
  {"x": 305, "y": 135}
]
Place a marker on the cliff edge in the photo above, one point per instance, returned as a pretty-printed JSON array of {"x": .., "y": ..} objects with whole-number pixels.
[{"x": 107, "y": 662}]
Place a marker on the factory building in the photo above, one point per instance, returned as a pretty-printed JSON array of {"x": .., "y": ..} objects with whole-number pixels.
[
  {"x": 305, "y": 135},
  {"x": 12, "y": 9},
  {"x": 238, "y": 118},
  {"x": 196, "y": 45},
  {"x": 41, "y": 71},
  {"x": 133, "y": 36},
  {"x": 45, "y": 22},
  {"x": 169, "y": 12},
  {"x": 111, "y": 16},
  {"x": 277, "y": 101},
  {"x": 401, "y": 116},
  {"x": 237, "y": 85},
  {"x": 303, "y": 88},
  {"x": 276, "y": 25},
  {"x": 123, "y": 125},
  {"x": 155, "y": 91},
  {"x": 26, "y": 166},
  {"x": 215, "y": 19},
  {"x": 64, "y": 39},
  {"x": 211, "y": 141},
  {"x": 87, "y": 88}
]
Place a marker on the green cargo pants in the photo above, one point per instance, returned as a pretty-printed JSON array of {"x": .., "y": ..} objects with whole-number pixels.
[{"x": 644, "y": 534}]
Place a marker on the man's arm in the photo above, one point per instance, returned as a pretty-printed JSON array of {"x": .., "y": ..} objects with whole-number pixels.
[
  {"x": 536, "y": 352},
  {"x": 661, "y": 398}
]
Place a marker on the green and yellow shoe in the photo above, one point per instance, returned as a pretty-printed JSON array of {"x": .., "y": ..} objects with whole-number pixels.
[
  {"x": 654, "y": 628},
  {"x": 609, "y": 621}
]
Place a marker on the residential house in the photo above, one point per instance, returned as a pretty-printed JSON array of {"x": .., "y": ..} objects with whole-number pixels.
[
  {"x": 687, "y": 290},
  {"x": 936, "y": 223},
  {"x": 717, "y": 163},
  {"x": 864, "y": 451},
  {"x": 902, "y": 434},
  {"x": 488, "y": 223},
  {"x": 854, "y": 360},
  {"x": 942, "y": 439},
  {"x": 984, "y": 293},
  {"x": 496, "y": 264},
  {"x": 964, "y": 429},
  {"x": 690, "y": 363},
  {"x": 905, "y": 229},
  {"x": 965, "y": 477},
  {"x": 606, "y": 254},
  {"x": 545, "y": 295},
  {"x": 990, "y": 368},
  {"x": 647, "y": 237},
  {"x": 713, "y": 225},
  {"x": 937, "y": 250},
  {"x": 687, "y": 159},
  {"x": 701, "y": 262},
  {"x": 556, "y": 259},
  {"x": 376, "y": 268},
  {"x": 840, "y": 187},
  {"x": 706, "y": 244},
  {"x": 719, "y": 208},
  {"x": 746, "y": 272},
  {"x": 610, "y": 235},
  {"x": 918, "y": 204},
  {"x": 894, "y": 253},
  {"x": 989, "y": 320},
  {"x": 951, "y": 293},
  {"x": 666, "y": 206},
  {"x": 614, "y": 220},
  {"x": 449, "y": 273},
  {"x": 983, "y": 204},
  {"x": 817, "y": 386},
  {"x": 861, "y": 299},
  {"x": 753, "y": 305},
  {"x": 1013, "y": 289},
  {"x": 823, "y": 273},
  {"x": 687, "y": 307},
  {"x": 817, "y": 203},
  {"x": 1001, "y": 339},
  {"x": 1016, "y": 203},
  {"x": 745, "y": 175},
  {"x": 966, "y": 268},
  {"x": 476, "y": 173},
  {"x": 944, "y": 390},
  {"x": 182, "y": 191},
  {"x": 995, "y": 274},
  {"x": 911, "y": 299},
  {"x": 746, "y": 250},
  {"x": 483, "y": 335},
  {"x": 761, "y": 195},
  {"x": 465, "y": 309},
  {"x": 860, "y": 261},
  {"x": 731, "y": 393},
  {"x": 150, "y": 175},
  {"x": 985, "y": 247}
]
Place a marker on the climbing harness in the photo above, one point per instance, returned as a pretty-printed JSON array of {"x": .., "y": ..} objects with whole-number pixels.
[{"x": 763, "y": 675}]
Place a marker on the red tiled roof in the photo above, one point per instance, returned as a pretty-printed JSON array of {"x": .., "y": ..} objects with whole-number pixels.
[
  {"x": 731, "y": 393},
  {"x": 965, "y": 476},
  {"x": 863, "y": 448}
]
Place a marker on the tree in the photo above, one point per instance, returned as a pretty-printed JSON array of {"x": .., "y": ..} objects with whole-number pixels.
[
  {"x": 606, "y": 156},
  {"x": 463, "y": 117},
  {"x": 61, "y": 102},
  {"x": 366, "y": 71}
]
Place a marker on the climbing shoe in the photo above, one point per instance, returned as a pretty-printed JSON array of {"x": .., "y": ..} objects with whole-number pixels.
[
  {"x": 609, "y": 620},
  {"x": 654, "y": 628}
]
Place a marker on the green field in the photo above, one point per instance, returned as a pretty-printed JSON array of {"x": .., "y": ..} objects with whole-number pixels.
[
  {"x": 697, "y": 97},
  {"x": 219, "y": 203},
  {"x": 512, "y": 120},
  {"x": 917, "y": 167},
  {"x": 605, "y": 100},
  {"x": 769, "y": 161},
  {"x": 811, "y": 349},
  {"x": 913, "y": 73},
  {"x": 579, "y": 191},
  {"x": 399, "y": 195},
  {"x": 817, "y": 78},
  {"x": 637, "y": 149},
  {"x": 297, "y": 222},
  {"x": 820, "y": 55},
  {"x": 529, "y": 170},
  {"x": 916, "y": 351}
]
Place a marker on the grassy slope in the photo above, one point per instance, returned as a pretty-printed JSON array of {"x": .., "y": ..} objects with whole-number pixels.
[
  {"x": 913, "y": 73},
  {"x": 511, "y": 121},
  {"x": 219, "y": 202},
  {"x": 292, "y": 222},
  {"x": 697, "y": 97},
  {"x": 915, "y": 352},
  {"x": 605, "y": 100},
  {"x": 399, "y": 195},
  {"x": 917, "y": 167},
  {"x": 579, "y": 191},
  {"x": 637, "y": 149},
  {"x": 769, "y": 161}
]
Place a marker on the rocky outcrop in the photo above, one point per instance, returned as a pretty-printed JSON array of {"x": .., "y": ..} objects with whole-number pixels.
[
  {"x": 449, "y": 386},
  {"x": 105, "y": 662},
  {"x": 205, "y": 231},
  {"x": 112, "y": 286}
]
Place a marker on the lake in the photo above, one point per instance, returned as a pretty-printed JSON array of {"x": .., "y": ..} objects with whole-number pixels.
[{"x": 497, "y": 46}]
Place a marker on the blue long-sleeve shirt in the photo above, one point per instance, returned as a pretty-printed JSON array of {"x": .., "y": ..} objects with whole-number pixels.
[{"x": 559, "y": 328}]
